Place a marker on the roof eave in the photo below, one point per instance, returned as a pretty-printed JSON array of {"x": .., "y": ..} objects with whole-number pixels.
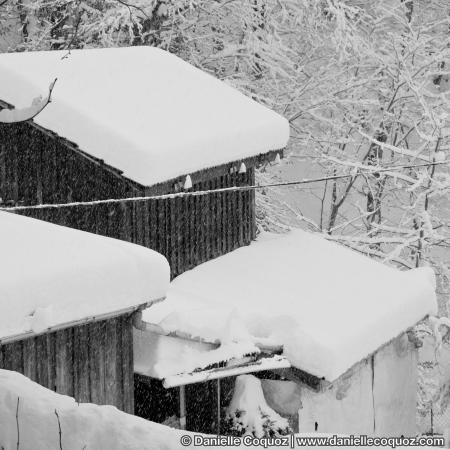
[
  {"x": 73, "y": 146},
  {"x": 166, "y": 186},
  {"x": 202, "y": 175},
  {"x": 259, "y": 365},
  {"x": 97, "y": 318}
]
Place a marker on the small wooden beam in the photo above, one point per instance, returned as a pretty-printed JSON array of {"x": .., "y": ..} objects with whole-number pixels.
[
  {"x": 299, "y": 376},
  {"x": 183, "y": 407},
  {"x": 218, "y": 406}
]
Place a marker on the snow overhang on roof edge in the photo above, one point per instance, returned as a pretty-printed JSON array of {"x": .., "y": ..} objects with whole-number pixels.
[
  {"x": 265, "y": 156},
  {"x": 78, "y": 322}
]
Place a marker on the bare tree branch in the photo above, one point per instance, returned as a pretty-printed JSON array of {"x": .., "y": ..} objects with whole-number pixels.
[
  {"x": 59, "y": 429},
  {"x": 17, "y": 423},
  {"x": 130, "y": 6}
]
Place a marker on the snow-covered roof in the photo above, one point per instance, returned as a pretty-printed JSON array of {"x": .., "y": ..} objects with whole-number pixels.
[
  {"x": 329, "y": 306},
  {"x": 142, "y": 110},
  {"x": 53, "y": 276}
]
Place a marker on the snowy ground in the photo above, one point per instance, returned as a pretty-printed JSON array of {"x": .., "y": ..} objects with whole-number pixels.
[{"x": 32, "y": 416}]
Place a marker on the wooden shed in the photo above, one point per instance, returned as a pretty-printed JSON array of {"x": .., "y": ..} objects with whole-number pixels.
[
  {"x": 69, "y": 299},
  {"x": 133, "y": 122},
  {"x": 305, "y": 315}
]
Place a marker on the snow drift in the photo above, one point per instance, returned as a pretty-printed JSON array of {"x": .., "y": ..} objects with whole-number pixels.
[
  {"x": 32, "y": 415},
  {"x": 82, "y": 425}
]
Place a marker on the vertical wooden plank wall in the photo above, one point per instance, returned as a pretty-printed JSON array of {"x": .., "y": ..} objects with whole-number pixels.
[
  {"x": 193, "y": 230},
  {"x": 81, "y": 379},
  {"x": 39, "y": 168},
  {"x": 201, "y": 407},
  {"x": 92, "y": 363}
]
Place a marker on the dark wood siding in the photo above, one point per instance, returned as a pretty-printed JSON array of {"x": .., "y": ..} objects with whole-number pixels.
[
  {"x": 37, "y": 166},
  {"x": 156, "y": 403},
  {"x": 92, "y": 362}
]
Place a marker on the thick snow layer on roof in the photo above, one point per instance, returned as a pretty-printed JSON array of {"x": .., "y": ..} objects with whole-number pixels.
[
  {"x": 329, "y": 306},
  {"x": 142, "y": 110},
  {"x": 52, "y": 275}
]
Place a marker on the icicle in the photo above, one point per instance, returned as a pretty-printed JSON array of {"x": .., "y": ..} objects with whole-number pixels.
[
  {"x": 187, "y": 183},
  {"x": 243, "y": 168},
  {"x": 277, "y": 159},
  {"x": 396, "y": 181}
]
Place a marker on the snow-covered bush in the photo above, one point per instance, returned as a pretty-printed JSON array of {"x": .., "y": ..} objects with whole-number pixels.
[{"x": 249, "y": 413}]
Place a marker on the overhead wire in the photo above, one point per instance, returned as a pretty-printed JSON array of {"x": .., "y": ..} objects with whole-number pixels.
[{"x": 355, "y": 172}]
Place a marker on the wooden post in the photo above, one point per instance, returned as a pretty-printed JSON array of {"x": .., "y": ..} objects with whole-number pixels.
[
  {"x": 64, "y": 362},
  {"x": 127, "y": 364},
  {"x": 218, "y": 406},
  {"x": 82, "y": 391},
  {"x": 182, "y": 407},
  {"x": 447, "y": 438}
]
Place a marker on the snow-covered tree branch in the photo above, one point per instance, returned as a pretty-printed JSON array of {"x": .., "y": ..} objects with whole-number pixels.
[{"x": 23, "y": 114}]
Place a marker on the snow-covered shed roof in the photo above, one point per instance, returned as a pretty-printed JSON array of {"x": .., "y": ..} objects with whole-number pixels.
[
  {"x": 142, "y": 110},
  {"x": 329, "y": 306},
  {"x": 53, "y": 276}
]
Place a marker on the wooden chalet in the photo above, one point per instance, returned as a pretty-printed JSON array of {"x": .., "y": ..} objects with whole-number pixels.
[
  {"x": 68, "y": 304},
  {"x": 135, "y": 122}
]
